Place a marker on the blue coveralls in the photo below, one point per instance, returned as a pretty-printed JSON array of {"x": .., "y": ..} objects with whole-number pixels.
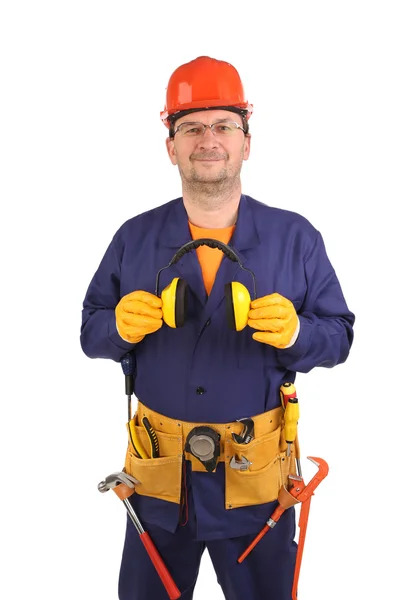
[{"x": 206, "y": 372}]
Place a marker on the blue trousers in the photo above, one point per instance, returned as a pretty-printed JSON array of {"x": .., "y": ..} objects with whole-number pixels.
[{"x": 265, "y": 574}]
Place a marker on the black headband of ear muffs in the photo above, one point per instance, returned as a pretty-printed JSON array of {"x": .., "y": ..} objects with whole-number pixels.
[{"x": 211, "y": 243}]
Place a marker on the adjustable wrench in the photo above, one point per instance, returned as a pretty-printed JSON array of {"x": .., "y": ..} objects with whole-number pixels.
[
  {"x": 304, "y": 496},
  {"x": 241, "y": 465},
  {"x": 247, "y": 433},
  {"x": 297, "y": 492}
]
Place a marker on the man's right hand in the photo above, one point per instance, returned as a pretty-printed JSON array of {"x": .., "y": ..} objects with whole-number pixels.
[{"x": 138, "y": 314}]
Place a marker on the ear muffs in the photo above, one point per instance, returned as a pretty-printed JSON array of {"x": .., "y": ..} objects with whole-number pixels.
[
  {"x": 174, "y": 296},
  {"x": 174, "y": 299},
  {"x": 237, "y": 301},
  {"x": 174, "y": 302}
]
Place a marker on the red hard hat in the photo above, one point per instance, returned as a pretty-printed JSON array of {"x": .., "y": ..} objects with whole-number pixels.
[{"x": 204, "y": 83}]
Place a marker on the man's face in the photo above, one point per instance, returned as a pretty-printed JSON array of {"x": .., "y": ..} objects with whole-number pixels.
[{"x": 208, "y": 157}]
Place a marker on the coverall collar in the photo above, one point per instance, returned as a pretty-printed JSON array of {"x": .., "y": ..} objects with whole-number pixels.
[{"x": 176, "y": 233}]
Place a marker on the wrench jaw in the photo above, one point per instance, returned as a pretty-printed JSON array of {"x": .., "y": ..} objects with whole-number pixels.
[
  {"x": 247, "y": 433},
  {"x": 322, "y": 465},
  {"x": 322, "y": 472},
  {"x": 241, "y": 465}
]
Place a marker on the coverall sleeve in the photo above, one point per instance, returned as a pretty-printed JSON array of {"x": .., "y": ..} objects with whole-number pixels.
[
  {"x": 326, "y": 324},
  {"x": 99, "y": 336}
]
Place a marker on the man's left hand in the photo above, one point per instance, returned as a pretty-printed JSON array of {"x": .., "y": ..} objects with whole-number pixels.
[{"x": 276, "y": 320}]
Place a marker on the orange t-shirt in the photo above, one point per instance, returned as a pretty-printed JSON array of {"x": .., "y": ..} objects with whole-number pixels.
[{"x": 210, "y": 258}]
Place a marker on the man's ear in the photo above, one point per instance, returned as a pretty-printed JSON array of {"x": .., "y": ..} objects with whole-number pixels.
[{"x": 169, "y": 142}]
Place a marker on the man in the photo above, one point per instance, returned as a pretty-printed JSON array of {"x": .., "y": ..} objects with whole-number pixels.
[{"x": 213, "y": 336}]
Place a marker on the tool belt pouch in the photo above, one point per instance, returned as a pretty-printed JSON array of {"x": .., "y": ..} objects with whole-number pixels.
[
  {"x": 159, "y": 477},
  {"x": 268, "y": 471},
  {"x": 259, "y": 483}
]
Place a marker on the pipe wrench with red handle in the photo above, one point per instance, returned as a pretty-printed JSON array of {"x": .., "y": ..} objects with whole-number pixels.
[{"x": 296, "y": 492}]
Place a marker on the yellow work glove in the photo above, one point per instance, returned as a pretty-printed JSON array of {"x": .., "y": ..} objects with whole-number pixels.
[
  {"x": 276, "y": 320},
  {"x": 138, "y": 314}
]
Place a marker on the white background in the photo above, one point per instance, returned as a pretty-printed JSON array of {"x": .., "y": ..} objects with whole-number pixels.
[{"x": 82, "y": 150}]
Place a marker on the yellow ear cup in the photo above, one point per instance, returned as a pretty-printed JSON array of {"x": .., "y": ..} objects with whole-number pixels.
[
  {"x": 174, "y": 301},
  {"x": 237, "y": 299}
]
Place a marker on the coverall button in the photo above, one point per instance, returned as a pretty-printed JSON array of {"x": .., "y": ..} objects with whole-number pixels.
[
  {"x": 208, "y": 322},
  {"x": 200, "y": 391}
]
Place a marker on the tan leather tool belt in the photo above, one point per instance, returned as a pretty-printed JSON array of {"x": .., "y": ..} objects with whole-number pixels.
[{"x": 254, "y": 472}]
